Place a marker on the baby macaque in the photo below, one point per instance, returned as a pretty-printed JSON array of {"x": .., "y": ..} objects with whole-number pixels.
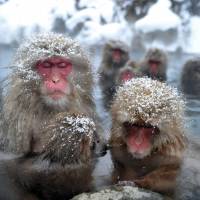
[
  {"x": 190, "y": 77},
  {"x": 63, "y": 166},
  {"x": 126, "y": 73},
  {"x": 115, "y": 55},
  {"x": 155, "y": 64},
  {"x": 147, "y": 139}
]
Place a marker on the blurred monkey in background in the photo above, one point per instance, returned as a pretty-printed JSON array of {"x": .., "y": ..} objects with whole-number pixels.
[{"x": 115, "y": 55}]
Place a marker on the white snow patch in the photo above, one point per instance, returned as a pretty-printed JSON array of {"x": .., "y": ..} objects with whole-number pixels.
[
  {"x": 193, "y": 44},
  {"x": 159, "y": 17}
]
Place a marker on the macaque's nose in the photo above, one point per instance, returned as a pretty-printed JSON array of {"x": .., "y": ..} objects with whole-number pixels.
[{"x": 55, "y": 79}]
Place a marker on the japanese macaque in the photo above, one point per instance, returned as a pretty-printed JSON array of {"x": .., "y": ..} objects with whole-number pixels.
[
  {"x": 51, "y": 74},
  {"x": 190, "y": 78},
  {"x": 147, "y": 139},
  {"x": 62, "y": 167},
  {"x": 155, "y": 64},
  {"x": 115, "y": 55},
  {"x": 129, "y": 71}
]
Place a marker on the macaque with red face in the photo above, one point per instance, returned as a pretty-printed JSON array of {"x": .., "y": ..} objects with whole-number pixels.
[
  {"x": 115, "y": 55},
  {"x": 147, "y": 139},
  {"x": 126, "y": 73},
  {"x": 155, "y": 64},
  {"x": 52, "y": 74},
  {"x": 55, "y": 73}
]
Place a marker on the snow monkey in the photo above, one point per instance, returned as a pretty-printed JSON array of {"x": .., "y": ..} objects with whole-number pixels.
[
  {"x": 190, "y": 78},
  {"x": 115, "y": 55},
  {"x": 129, "y": 71},
  {"x": 62, "y": 167},
  {"x": 155, "y": 64},
  {"x": 51, "y": 74},
  {"x": 147, "y": 139}
]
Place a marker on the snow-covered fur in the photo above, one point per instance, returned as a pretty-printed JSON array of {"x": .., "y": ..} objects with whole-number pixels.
[
  {"x": 155, "y": 103},
  {"x": 68, "y": 139},
  {"x": 24, "y": 107}
]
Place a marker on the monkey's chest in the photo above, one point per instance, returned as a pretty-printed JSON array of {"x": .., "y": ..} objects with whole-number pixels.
[{"x": 128, "y": 168}]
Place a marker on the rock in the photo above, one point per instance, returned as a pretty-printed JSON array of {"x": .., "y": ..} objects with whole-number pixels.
[{"x": 120, "y": 193}]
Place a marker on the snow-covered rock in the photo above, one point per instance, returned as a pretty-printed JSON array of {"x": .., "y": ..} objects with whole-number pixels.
[
  {"x": 120, "y": 193},
  {"x": 160, "y": 27}
]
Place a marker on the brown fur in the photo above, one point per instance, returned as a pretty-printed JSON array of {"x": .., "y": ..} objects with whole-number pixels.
[
  {"x": 190, "y": 77},
  {"x": 109, "y": 70},
  {"x": 24, "y": 109},
  {"x": 158, "y": 170},
  {"x": 62, "y": 168},
  {"x": 156, "y": 55}
]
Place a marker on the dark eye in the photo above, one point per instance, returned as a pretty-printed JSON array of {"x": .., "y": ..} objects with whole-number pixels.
[
  {"x": 46, "y": 64},
  {"x": 62, "y": 65}
]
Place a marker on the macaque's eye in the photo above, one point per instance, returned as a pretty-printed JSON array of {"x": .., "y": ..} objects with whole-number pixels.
[
  {"x": 46, "y": 65},
  {"x": 62, "y": 65}
]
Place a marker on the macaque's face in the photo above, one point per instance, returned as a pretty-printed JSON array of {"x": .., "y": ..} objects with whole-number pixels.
[
  {"x": 116, "y": 55},
  {"x": 55, "y": 72},
  {"x": 139, "y": 139},
  {"x": 154, "y": 66},
  {"x": 126, "y": 76}
]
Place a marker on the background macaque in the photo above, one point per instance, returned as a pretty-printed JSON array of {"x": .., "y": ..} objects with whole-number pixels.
[
  {"x": 129, "y": 71},
  {"x": 147, "y": 140},
  {"x": 61, "y": 168},
  {"x": 115, "y": 55},
  {"x": 155, "y": 64},
  {"x": 190, "y": 78},
  {"x": 52, "y": 75}
]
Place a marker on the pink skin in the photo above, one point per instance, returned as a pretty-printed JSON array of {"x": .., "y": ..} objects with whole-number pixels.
[
  {"x": 126, "y": 76},
  {"x": 54, "y": 72},
  {"x": 154, "y": 66},
  {"x": 116, "y": 55},
  {"x": 139, "y": 139}
]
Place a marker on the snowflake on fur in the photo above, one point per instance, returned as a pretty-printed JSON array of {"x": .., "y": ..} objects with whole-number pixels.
[{"x": 149, "y": 100}]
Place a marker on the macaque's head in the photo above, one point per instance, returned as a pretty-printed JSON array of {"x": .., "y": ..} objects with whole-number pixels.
[
  {"x": 156, "y": 59},
  {"x": 115, "y": 53},
  {"x": 190, "y": 77},
  {"x": 55, "y": 68},
  {"x": 144, "y": 114},
  {"x": 126, "y": 73},
  {"x": 71, "y": 139}
]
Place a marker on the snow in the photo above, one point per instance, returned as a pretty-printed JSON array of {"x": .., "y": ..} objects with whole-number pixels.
[
  {"x": 193, "y": 45},
  {"x": 149, "y": 100},
  {"x": 159, "y": 17},
  {"x": 95, "y": 22}
]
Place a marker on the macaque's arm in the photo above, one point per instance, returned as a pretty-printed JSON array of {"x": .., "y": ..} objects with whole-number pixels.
[{"x": 160, "y": 180}]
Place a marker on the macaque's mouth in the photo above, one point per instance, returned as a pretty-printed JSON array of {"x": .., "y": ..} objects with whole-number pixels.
[
  {"x": 139, "y": 136},
  {"x": 56, "y": 95}
]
